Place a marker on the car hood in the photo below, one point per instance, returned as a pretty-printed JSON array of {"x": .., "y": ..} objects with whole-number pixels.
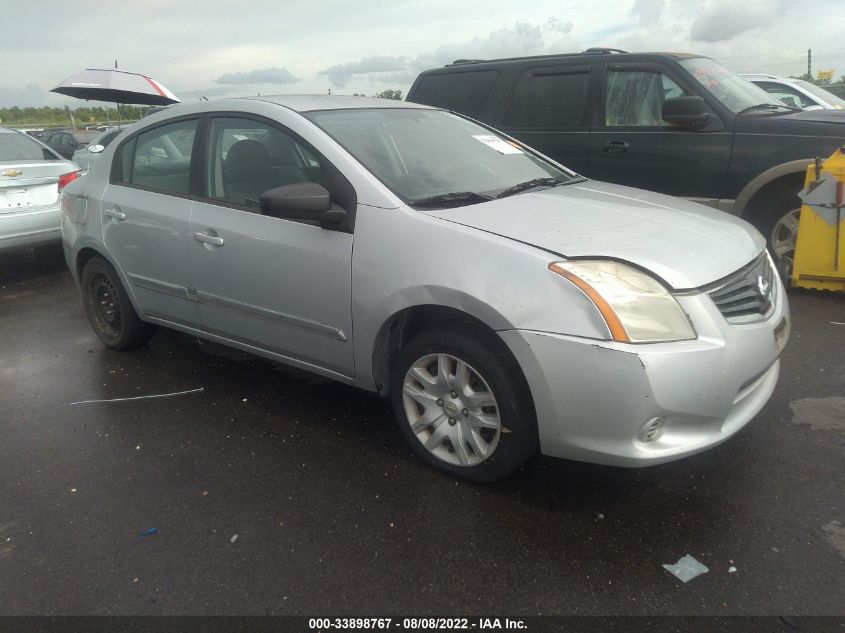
[{"x": 688, "y": 245}]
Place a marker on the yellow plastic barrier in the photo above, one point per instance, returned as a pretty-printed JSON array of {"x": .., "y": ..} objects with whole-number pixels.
[{"x": 820, "y": 246}]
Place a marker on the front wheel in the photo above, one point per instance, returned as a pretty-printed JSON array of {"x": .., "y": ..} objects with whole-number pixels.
[
  {"x": 109, "y": 309},
  {"x": 462, "y": 404}
]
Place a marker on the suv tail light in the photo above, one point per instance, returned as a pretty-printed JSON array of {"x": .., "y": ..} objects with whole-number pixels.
[{"x": 66, "y": 179}]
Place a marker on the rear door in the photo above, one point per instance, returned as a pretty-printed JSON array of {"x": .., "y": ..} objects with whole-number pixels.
[
  {"x": 547, "y": 109},
  {"x": 146, "y": 219},
  {"x": 275, "y": 284},
  {"x": 632, "y": 145}
]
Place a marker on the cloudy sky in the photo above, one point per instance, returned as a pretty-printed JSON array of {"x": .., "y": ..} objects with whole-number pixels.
[{"x": 220, "y": 48}]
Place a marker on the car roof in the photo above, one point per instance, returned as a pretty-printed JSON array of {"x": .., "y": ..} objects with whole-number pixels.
[
  {"x": 310, "y": 103},
  {"x": 765, "y": 76},
  {"x": 590, "y": 53}
]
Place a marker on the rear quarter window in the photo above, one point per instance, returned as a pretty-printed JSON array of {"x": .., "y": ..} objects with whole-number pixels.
[{"x": 464, "y": 92}]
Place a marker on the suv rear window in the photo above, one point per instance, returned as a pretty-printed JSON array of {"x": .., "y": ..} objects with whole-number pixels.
[
  {"x": 548, "y": 97},
  {"x": 463, "y": 92}
]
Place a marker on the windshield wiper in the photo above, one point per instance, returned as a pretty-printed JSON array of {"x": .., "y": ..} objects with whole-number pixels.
[
  {"x": 530, "y": 184},
  {"x": 454, "y": 199},
  {"x": 767, "y": 106}
]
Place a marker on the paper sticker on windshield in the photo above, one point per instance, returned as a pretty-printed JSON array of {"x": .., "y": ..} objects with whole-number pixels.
[{"x": 499, "y": 144}]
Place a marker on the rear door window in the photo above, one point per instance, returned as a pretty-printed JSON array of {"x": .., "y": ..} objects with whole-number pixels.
[
  {"x": 159, "y": 158},
  {"x": 548, "y": 98},
  {"x": 464, "y": 92}
]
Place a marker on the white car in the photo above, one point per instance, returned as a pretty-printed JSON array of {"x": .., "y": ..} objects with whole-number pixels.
[{"x": 797, "y": 92}]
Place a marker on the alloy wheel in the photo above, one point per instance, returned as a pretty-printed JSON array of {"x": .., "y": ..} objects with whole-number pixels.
[{"x": 783, "y": 239}]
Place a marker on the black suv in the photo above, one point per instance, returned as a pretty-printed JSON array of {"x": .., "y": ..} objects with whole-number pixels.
[{"x": 673, "y": 123}]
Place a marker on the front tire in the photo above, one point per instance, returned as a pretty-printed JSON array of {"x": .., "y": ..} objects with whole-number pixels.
[
  {"x": 462, "y": 404},
  {"x": 108, "y": 308}
]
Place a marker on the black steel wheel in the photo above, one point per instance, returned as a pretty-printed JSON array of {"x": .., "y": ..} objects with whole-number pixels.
[{"x": 108, "y": 308}]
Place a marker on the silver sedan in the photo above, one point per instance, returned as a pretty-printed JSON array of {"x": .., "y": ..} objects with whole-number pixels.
[
  {"x": 503, "y": 303},
  {"x": 31, "y": 178}
]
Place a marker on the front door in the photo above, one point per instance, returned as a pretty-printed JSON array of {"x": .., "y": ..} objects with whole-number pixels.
[
  {"x": 146, "y": 220},
  {"x": 274, "y": 284},
  {"x": 634, "y": 146}
]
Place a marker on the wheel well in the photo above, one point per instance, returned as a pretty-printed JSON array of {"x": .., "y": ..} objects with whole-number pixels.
[
  {"x": 82, "y": 258},
  {"x": 773, "y": 197},
  {"x": 404, "y": 325}
]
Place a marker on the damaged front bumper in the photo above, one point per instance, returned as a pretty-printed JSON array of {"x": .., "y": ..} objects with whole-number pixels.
[{"x": 643, "y": 404}]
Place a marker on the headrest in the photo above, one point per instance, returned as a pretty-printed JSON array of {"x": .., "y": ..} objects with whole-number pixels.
[{"x": 247, "y": 160}]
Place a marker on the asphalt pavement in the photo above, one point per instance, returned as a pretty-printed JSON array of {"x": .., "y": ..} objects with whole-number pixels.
[{"x": 271, "y": 491}]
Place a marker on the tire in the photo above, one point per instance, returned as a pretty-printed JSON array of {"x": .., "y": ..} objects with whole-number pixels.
[
  {"x": 108, "y": 308},
  {"x": 776, "y": 217},
  {"x": 470, "y": 391}
]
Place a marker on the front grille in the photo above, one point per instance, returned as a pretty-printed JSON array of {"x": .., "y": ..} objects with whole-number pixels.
[{"x": 748, "y": 294}]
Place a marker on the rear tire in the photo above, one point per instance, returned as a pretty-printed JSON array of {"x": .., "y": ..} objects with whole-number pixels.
[
  {"x": 776, "y": 216},
  {"x": 108, "y": 308},
  {"x": 462, "y": 404}
]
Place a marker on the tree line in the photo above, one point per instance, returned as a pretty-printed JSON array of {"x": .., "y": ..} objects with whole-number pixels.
[{"x": 64, "y": 117}]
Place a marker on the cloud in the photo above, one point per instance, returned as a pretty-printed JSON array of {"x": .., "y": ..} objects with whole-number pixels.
[
  {"x": 31, "y": 96},
  {"x": 263, "y": 76},
  {"x": 518, "y": 40},
  {"x": 340, "y": 74},
  {"x": 647, "y": 12},
  {"x": 722, "y": 20}
]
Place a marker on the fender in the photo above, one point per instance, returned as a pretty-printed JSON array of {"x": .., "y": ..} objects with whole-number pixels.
[
  {"x": 761, "y": 180},
  {"x": 367, "y": 343},
  {"x": 87, "y": 242}
]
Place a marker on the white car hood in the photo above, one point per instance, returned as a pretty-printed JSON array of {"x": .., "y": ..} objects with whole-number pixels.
[{"x": 688, "y": 245}]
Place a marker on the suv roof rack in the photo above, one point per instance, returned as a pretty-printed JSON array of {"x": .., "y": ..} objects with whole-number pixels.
[
  {"x": 602, "y": 51},
  {"x": 466, "y": 61},
  {"x": 589, "y": 51}
]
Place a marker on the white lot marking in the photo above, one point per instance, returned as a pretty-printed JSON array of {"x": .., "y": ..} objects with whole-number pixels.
[
  {"x": 160, "y": 395},
  {"x": 834, "y": 534},
  {"x": 822, "y": 414}
]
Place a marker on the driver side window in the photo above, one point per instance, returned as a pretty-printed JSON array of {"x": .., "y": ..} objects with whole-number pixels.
[
  {"x": 634, "y": 98},
  {"x": 248, "y": 157}
]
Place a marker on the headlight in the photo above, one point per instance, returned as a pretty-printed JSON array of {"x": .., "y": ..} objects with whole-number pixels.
[{"x": 635, "y": 306}]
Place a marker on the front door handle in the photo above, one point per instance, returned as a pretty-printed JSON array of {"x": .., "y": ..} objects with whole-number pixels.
[
  {"x": 615, "y": 147},
  {"x": 116, "y": 213},
  {"x": 208, "y": 239}
]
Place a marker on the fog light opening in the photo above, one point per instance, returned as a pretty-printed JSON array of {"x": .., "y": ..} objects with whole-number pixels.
[{"x": 652, "y": 430}]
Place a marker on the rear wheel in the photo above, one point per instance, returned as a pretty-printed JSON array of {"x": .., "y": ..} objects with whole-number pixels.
[
  {"x": 776, "y": 216},
  {"x": 109, "y": 309},
  {"x": 462, "y": 405}
]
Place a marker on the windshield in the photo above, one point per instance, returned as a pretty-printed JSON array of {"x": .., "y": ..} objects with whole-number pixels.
[
  {"x": 821, "y": 93},
  {"x": 14, "y": 146},
  {"x": 733, "y": 91},
  {"x": 430, "y": 154}
]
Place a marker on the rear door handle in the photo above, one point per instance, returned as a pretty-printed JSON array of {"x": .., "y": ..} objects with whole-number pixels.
[
  {"x": 116, "y": 213},
  {"x": 615, "y": 147},
  {"x": 208, "y": 239}
]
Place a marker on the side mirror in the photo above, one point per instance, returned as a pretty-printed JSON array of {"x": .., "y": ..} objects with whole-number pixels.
[
  {"x": 303, "y": 201},
  {"x": 685, "y": 111},
  {"x": 95, "y": 149}
]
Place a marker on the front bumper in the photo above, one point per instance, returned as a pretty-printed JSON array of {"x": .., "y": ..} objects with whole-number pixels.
[{"x": 597, "y": 401}]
